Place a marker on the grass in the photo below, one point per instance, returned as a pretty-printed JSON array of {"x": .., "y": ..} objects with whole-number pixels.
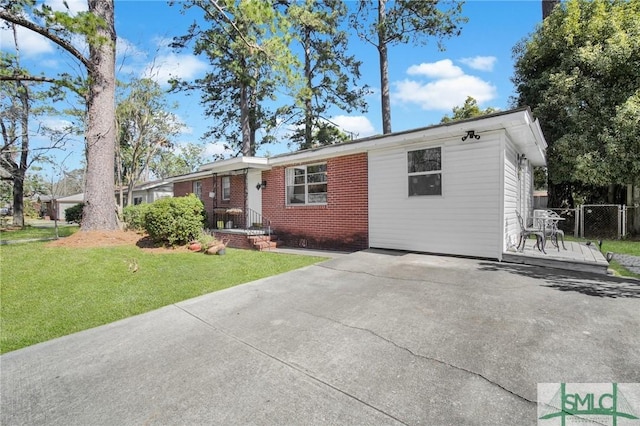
[
  {"x": 49, "y": 292},
  {"x": 33, "y": 232}
]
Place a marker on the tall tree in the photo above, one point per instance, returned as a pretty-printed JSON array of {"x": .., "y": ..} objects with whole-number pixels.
[
  {"x": 14, "y": 122},
  {"x": 176, "y": 161},
  {"x": 247, "y": 44},
  {"x": 470, "y": 109},
  {"x": 330, "y": 74},
  {"x": 145, "y": 127},
  {"x": 19, "y": 102},
  {"x": 580, "y": 74},
  {"x": 383, "y": 23},
  {"x": 97, "y": 27}
]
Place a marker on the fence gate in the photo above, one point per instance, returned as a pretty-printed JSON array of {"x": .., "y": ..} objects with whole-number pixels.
[{"x": 602, "y": 221}]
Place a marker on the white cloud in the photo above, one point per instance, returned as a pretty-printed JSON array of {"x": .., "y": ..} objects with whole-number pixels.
[
  {"x": 215, "y": 149},
  {"x": 129, "y": 50},
  {"x": 30, "y": 43},
  {"x": 359, "y": 125},
  {"x": 440, "y": 69},
  {"x": 57, "y": 124},
  {"x": 481, "y": 63},
  {"x": 444, "y": 94},
  {"x": 441, "y": 86},
  {"x": 75, "y": 6},
  {"x": 171, "y": 65}
]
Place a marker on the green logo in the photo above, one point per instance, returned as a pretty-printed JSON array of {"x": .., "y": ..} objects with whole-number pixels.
[{"x": 587, "y": 403}]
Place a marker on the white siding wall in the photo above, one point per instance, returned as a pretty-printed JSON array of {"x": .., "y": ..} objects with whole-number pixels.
[
  {"x": 512, "y": 199},
  {"x": 465, "y": 220},
  {"x": 527, "y": 195}
]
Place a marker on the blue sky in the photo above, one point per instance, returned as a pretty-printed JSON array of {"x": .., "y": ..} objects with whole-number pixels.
[{"x": 425, "y": 83}]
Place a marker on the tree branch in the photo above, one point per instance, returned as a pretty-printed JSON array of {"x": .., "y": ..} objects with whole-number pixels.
[
  {"x": 220, "y": 10},
  {"x": 45, "y": 32},
  {"x": 24, "y": 77}
]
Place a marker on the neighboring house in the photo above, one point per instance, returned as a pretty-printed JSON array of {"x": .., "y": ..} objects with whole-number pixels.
[
  {"x": 63, "y": 203},
  {"x": 147, "y": 192},
  {"x": 452, "y": 188}
]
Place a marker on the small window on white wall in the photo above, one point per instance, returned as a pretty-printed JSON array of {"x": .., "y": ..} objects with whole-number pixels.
[
  {"x": 197, "y": 189},
  {"x": 226, "y": 187},
  {"x": 424, "y": 168}
]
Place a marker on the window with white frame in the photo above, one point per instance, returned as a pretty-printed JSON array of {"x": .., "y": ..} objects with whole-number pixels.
[
  {"x": 137, "y": 200},
  {"x": 307, "y": 184},
  {"x": 197, "y": 189},
  {"x": 424, "y": 167},
  {"x": 226, "y": 187}
]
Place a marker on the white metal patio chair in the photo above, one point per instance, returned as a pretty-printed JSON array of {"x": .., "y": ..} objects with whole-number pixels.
[{"x": 526, "y": 232}]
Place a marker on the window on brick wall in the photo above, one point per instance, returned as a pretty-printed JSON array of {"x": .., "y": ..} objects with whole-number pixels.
[
  {"x": 226, "y": 187},
  {"x": 197, "y": 189},
  {"x": 424, "y": 168},
  {"x": 307, "y": 184}
]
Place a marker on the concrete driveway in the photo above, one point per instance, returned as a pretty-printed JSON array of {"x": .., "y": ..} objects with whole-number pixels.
[{"x": 369, "y": 338}]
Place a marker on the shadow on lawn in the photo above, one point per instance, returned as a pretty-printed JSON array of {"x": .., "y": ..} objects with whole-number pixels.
[{"x": 589, "y": 284}]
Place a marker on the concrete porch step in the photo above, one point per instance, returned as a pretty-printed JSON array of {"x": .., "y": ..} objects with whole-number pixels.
[
  {"x": 265, "y": 245},
  {"x": 257, "y": 238}
]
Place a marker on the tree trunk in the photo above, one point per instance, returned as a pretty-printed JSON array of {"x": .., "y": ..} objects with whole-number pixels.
[
  {"x": 308, "y": 107},
  {"x": 547, "y": 7},
  {"x": 18, "y": 198},
  {"x": 21, "y": 169},
  {"x": 244, "y": 121},
  {"x": 384, "y": 68},
  {"x": 100, "y": 208}
]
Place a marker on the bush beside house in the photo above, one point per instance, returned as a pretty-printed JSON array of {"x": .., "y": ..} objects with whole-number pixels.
[{"x": 174, "y": 221}]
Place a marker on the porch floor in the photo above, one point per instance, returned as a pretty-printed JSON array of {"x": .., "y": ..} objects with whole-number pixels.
[{"x": 577, "y": 257}]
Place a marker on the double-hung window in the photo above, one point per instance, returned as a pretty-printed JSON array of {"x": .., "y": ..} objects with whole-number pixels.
[
  {"x": 307, "y": 184},
  {"x": 424, "y": 168},
  {"x": 226, "y": 187},
  {"x": 197, "y": 189}
]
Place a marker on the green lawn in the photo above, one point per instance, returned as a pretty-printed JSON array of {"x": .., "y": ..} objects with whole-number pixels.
[
  {"x": 616, "y": 246},
  {"x": 48, "y": 292},
  {"x": 31, "y": 232},
  {"x": 621, "y": 247}
]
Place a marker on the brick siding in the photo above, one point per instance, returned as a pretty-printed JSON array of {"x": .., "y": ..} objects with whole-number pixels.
[
  {"x": 214, "y": 184},
  {"x": 341, "y": 224}
]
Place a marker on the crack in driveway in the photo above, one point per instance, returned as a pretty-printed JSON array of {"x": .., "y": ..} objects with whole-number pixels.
[
  {"x": 287, "y": 364},
  {"x": 425, "y": 357},
  {"x": 413, "y": 280}
]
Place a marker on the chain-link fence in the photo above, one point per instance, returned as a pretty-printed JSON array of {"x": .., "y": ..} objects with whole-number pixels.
[
  {"x": 601, "y": 221},
  {"x": 610, "y": 221},
  {"x": 632, "y": 222}
]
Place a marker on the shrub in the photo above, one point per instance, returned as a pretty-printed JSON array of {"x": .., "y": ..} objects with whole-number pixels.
[
  {"x": 74, "y": 214},
  {"x": 135, "y": 216},
  {"x": 174, "y": 221}
]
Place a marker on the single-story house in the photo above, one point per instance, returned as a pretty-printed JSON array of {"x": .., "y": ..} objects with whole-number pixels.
[
  {"x": 147, "y": 192},
  {"x": 63, "y": 203},
  {"x": 451, "y": 188}
]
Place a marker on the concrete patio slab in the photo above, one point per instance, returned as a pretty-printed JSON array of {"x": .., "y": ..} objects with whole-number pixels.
[{"x": 370, "y": 338}]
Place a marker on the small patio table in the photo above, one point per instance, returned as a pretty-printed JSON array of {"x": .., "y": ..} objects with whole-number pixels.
[{"x": 547, "y": 222}]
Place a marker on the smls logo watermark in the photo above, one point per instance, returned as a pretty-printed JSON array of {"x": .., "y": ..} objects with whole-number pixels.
[{"x": 614, "y": 404}]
